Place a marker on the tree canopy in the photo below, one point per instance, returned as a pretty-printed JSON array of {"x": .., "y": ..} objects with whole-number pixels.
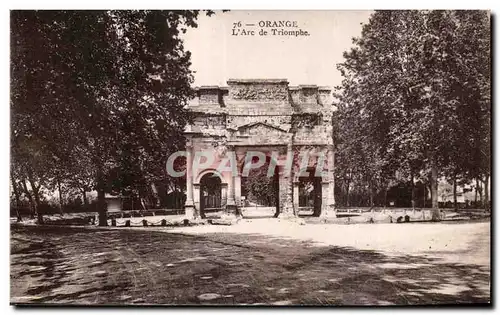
[
  {"x": 98, "y": 98},
  {"x": 415, "y": 100}
]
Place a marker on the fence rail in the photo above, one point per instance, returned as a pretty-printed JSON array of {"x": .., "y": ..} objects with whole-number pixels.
[{"x": 379, "y": 209}]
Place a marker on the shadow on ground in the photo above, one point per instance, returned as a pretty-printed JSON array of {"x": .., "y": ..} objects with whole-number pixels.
[{"x": 89, "y": 266}]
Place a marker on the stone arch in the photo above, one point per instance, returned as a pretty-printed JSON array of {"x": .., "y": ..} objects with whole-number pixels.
[
  {"x": 211, "y": 191},
  {"x": 206, "y": 171},
  {"x": 273, "y": 202}
]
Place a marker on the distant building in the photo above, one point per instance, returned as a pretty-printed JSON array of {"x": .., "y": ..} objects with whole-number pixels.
[
  {"x": 115, "y": 203},
  {"x": 466, "y": 194}
]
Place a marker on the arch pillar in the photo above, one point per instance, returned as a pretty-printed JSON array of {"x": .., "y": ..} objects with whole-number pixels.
[
  {"x": 286, "y": 186},
  {"x": 296, "y": 184},
  {"x": 231, "y": 206},
  {"x": 189, "y": 207},
  {"x": 223, "y": 196},
  {"x": 196, "y": 196},
  {"x": 237, "y": 190},
  {"x": 329, "y": 186}
]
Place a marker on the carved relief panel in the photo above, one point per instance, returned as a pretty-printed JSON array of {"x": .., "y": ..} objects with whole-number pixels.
[{"x": 259, "y": 93}]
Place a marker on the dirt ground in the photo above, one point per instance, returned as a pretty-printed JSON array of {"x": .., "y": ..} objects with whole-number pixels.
[{"x": 257, "y": 262}]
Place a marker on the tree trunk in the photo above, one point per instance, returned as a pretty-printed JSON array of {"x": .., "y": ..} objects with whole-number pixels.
[
  {"x": 434, "y": 184},
  {"x": 178, "y": 198},
  {"x": 412, "y": 193},
  {"x": 479, "y": 189},
  {"x": 486, "y": 193},
  {"x": 455, "y": 203},
  {"x": 60, "y": 196},
  {"x": 430, "y": 190},
  {"x": 155, "y": 197},
  {"x": 36, "y": 197},
  {"x": 85, "y": 200},
  {"x": 347, "y": 194},
  {"x": 30, "y": 199},
  {"x": 425, "y": 195},
  {"x": 101, "y": 201},
  {"x": 385, "y": 196},
  {"x": 475, "y": 195},
  {"x": 371, "y": 194},
  {"x": 101, "y": 208},
  {"x": 143, "y": 204},
  {"x": 39, "y": 215},
  {"x": 17, "y": 196}
]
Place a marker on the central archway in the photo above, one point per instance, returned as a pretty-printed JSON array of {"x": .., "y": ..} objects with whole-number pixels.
[{"x": 260, "y": 188}]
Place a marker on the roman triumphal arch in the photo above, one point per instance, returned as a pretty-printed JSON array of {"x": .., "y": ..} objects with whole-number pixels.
[{"x": 259, "y": 119}]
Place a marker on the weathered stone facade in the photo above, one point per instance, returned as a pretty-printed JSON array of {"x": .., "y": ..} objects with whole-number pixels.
[{"x": 265, "y": 115}]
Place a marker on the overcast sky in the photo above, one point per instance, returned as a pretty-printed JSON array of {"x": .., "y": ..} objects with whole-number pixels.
[{"x": 217, "y": 55}]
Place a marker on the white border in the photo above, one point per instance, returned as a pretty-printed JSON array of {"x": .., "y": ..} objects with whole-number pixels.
[{"x": 144, "y": 4}]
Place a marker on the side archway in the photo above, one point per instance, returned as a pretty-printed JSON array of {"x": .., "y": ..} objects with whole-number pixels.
[
  {"x": 210, "y": 171},
  {"x": 211, "y": 192}
]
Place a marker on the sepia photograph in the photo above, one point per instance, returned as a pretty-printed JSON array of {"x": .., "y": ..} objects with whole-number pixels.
[{"x": 250, "y": 158}]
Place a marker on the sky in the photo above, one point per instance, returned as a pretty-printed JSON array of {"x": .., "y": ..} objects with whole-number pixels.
[{"x": 218, "y": 55}]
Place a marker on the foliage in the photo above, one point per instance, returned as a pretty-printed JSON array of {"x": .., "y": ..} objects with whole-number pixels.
[
  {"x": 415, "y": 99},
  {"x": 259, "y": 187},
  {"x": 97, "y": 95}
]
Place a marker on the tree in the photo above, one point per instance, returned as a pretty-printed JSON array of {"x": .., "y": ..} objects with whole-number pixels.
[
  {"x": 110, "y": 84},
  {"x": 415, "y": 85},
  {"x": 261, "y": 188}
]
